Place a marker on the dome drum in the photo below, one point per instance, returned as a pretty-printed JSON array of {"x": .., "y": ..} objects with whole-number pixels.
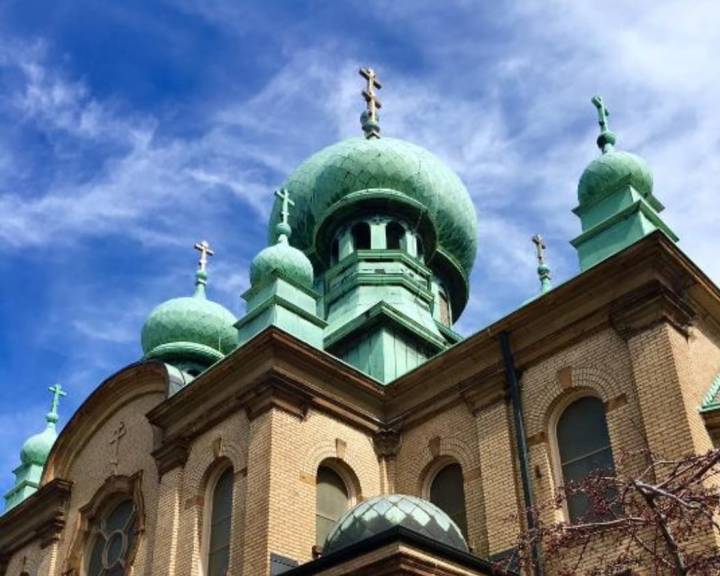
[{"x": 368, "y": 203}]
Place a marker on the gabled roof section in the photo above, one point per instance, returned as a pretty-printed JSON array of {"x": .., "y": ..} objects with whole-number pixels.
[{"x": 711, "y": 401}]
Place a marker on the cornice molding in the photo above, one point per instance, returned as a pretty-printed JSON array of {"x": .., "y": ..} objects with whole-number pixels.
[
  {"x": 40, "y": 517},
  {"x": 648, "y": 306}
]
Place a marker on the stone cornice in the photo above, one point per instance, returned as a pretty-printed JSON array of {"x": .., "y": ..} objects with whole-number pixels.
[{"x": 40, "y": 517}]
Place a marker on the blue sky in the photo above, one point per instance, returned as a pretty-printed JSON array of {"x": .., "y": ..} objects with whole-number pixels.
[{"x": 130, "y": 130}]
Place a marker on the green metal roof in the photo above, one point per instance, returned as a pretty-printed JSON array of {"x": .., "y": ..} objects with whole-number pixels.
[
  {"x": 405, "y": 172},
  {"x": 190, "y": 327},
  {"x": 605, "y": 173}
]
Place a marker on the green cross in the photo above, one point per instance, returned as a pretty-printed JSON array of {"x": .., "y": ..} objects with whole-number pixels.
[
  {"x": 603, "y": 112},
  {"x": 284, "y": 196},
  {"x": 57, "y": 392}
]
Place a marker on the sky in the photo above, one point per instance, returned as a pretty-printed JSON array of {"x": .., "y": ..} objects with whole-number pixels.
[{"x": 130, "y": 130}]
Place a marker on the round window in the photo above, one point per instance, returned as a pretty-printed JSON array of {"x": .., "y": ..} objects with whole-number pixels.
[{"x": 113, "y": 538}]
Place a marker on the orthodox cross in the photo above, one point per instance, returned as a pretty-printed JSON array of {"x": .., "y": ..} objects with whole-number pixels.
[
  {"x": 57, "y": 393},
  {"x": 284, "y": 196},
  {"x": 373, "y": 104},
  {"x": 539, "y": 247},
  {"x": 603, "y": 112},
  {"x": 118, "y": 433},
  {"x": 205, "y": 251}
]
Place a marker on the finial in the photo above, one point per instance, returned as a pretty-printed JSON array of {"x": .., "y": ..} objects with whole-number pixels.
[
  {"x": 543, "y": 269},
  {"x": 283, "y": 228},
  {"x": 607, "y": 139},
  {"x": 201, "y": 275},
  {"x": 369, "y": 118},
  {"x": 58, "y": 392}
]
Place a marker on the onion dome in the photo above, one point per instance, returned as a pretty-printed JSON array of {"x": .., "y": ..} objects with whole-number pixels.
[
  {"x": 282, "y": 260},
  {"x": 192, "y": 327},
  {"x": 613, "y": 167},
  {"x": 391, "y": 176},
  {"x": 381, "y": 513},
  {"x": 36, "y": 449}
]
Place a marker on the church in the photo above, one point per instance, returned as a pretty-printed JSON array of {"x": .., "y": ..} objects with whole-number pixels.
[{"x": 341, "y": 426}]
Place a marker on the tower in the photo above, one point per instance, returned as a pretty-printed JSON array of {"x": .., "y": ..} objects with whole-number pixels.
[
  {"x": 616, "y": 202},
  {"x": 391, "y": 233}
]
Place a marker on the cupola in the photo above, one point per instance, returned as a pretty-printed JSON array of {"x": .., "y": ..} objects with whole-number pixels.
[
  {"x": 391, "y": 232},
  {"x": 34, "y": 454},
  {"x": 190, "y": 332},
  {"x": 616, "y": 202}
]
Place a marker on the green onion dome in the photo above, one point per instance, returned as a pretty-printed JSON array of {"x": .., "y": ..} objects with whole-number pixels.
[
  {"x": 283, "y": 261},
  {"x": 190, "y": 328},
  {"x": 36, "y": 449},
  {"x": 381, "y": 513},
  {"x": 614, "y": 167},
  {"x": 610, "y": 170},
  {"x": 389, "y": 176}
]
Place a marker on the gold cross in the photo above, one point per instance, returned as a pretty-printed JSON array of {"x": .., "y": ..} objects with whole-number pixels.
[
  {"x": 205, "y": 251},
  {"x": 373, "y": 103},
  {"x": 539, "y": 247},
  {"x": 118, "y": 433},
  {"x": 284, "y": 196}
]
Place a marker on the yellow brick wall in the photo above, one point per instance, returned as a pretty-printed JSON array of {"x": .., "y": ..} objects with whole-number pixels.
[
  {"x": 600, "y": 365},
  {"x": 450, "y": 436},
  {"x": 92, "y": 466},
  {"x": 298, "y": 447}
]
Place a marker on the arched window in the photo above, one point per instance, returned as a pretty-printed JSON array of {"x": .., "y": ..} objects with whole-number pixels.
[
  {"x": 395, "y": 236},
  {"x": 447, "y": 492},
  {"x": 444, "y": 304},
  {"x": 113, "y": 535},
  {"x": 332, "y": 500},
  {"x": 361, "y": 236},
  {"x": 584, "y": 447},
  {"x": 335, "y": 252},
  {"x": 220, "y": 521},
  {"x": 420, "y": 248}
]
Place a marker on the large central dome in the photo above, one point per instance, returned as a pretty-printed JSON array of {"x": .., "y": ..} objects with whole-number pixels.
[
  {"x": 416, "y": 176},
  {"x": 384, "y": 174}
]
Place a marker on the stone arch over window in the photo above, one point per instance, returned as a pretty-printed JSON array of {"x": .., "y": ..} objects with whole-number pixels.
[
  {"x": 580, "y": 444},
  {"x": 336, "y": 491},
  {"x": 360, "y": 233},
  {"x": 444, "y": 486},
  {"x": 394, "y": 236},
  {"x": 217, "y": 525},
  {"x": 110, "y": 527}
]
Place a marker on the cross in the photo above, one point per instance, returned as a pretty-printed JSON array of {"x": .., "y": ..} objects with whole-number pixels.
[
  {"x": 57, "y": 392},
  {"x": 603, "y": 112},
  {"x": 373, "y": 104},
  {"x": 539, "y": 247},
  {"x": 118, "y": 433},
  {"x": 284, "y": 196},
  {"x": 205, "y": 251}
]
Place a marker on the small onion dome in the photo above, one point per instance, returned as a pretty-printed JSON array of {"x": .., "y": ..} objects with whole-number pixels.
[
  {"x": 283, "y": 261},
  {"x": 381, "y": 513},
  {"x": 37, "y": 448},
  {"x": 607, "y": 171},
  {"x": 613, "y": 167},
  {"x": 191, "y": 327}
]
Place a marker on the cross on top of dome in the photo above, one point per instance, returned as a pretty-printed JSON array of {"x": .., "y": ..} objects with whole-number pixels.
[
  {"x": 606, "y": 140},
  {"x": 370, "y": 124}
]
